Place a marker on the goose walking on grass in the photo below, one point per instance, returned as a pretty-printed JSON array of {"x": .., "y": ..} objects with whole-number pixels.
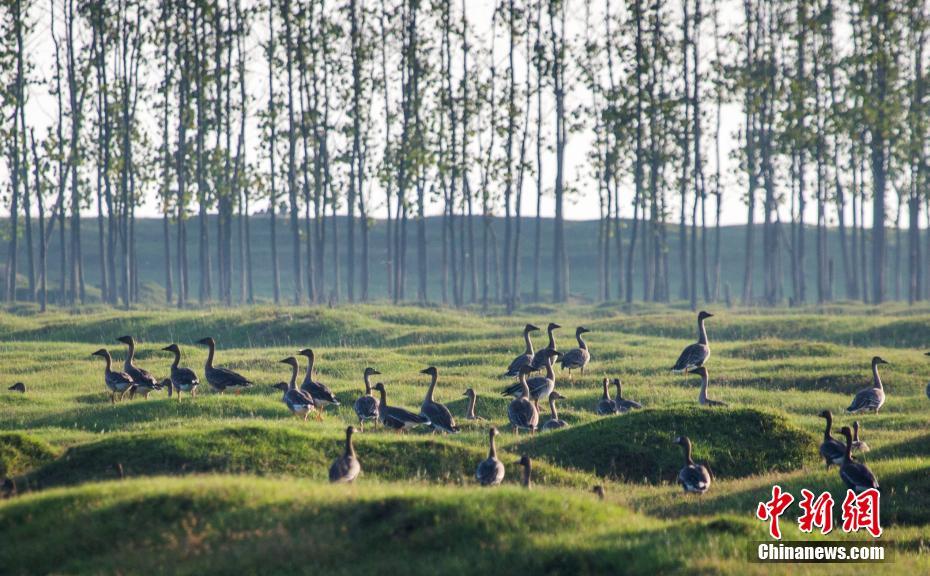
[
  {"x": 696, "y": 354},
  {"x": 438, "y": 414},
  {"x": 522, "y": 411},
  {"x": 472, "y": 400},
  {"x": 18, "y": 387},
  {"x": 143, "y": 379},
  {"x": 831, "y": 449},
  {"x": 527, "y": 466},
  {"x": 366, "y": 407},
  {"x": 523, "y": 359},
  {"x": 490, "y": 471},
  {"x": 221, "y": 378},
  {"x": 540, "y": 386},
  {"x": 870, "y": 399},
  {"x": 855, "y": 475},
  {"x": 577, "y": 358},
  {"x": 322, "y": 395},
  {"x": 606, "y": 406},
  {"x": 182, "y": 379},
  {"x": 541, "y": 355},
  {"x": 297, "y": 401},
  {"x": 554, "y": 423},
  {"x": 624, "y": 405},
  {"x": 858, "y": 444},
  {"x": 703, "y": 400},
  {"x": 346, "y": 468},
  {"x": 694, "y": 478},
  {"x": 394, "y": 417},
  {"x": 116, "y": 382}
]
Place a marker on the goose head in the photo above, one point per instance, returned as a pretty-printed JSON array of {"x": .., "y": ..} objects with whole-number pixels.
[
  {"x": 556, "y": 396},
  {"x": 127, "y": 340},
  {"x": 581, "y": 330},
  {"x": 371, "y": 372},
  {"x": 102, "y": 353},
  {"x": 379, "y": 387},
  {"x": 307, "y": 352},
  {"x": 683, "y": 441},
  {"x": 531, "y": 328},
  {"x": 172, "y": 348},
  {"x": 552, "y": 326},
  {"x": 847, "y": 433},
  {"x": 469, "y": 392},
  {"x": 876, "y": 360},
  {"x": 826, "y": 414},
  {"x": 704, "y": 314},
  {"x": 431, "y": 371},
  {"x": 208, "y": 341},
  {"x": 290, "y": 361}
]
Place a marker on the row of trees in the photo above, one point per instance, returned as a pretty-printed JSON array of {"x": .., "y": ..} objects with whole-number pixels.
[{"x": 309, "y": 109}]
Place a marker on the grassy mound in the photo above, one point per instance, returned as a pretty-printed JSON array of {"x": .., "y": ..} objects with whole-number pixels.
[
  {"x": 779, "y": 349},
  {"x": 249, "y": 525},
  {"x": 19, "y": 453},
  {"x": 638, "y": 447},
  {"x": 274, "y": 450}
]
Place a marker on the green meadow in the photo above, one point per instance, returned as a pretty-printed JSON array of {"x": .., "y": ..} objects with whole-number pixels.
[{"x": 223, "y": 483}]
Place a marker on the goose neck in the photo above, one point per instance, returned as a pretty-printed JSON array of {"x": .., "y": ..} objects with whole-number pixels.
[
  {"x": 432, "y": 385},
  {"x": 702, "y": 332},
  {"x": 703, "y": 395},
  {"x": 367, "y": 384},
  {"x": 826, "y": 431},
  {"x": 606, "y": 395},
  {"x": 492, "y": 449},
  {"x": 555, "y": 413},
  {"x": 550, "y": 373},
  {"x": 383, "y": 395},
  {"x": 350, "y": 449},
  {"x": 581, "y": 342},
  {"x": 130, "y": 354},
  {"x": 177, "y": 359},
  {"x": 109, "y": 361},
  {"x": 876, "y": 379},
  {"x": 292, "y": 385},
  {"x": 527, "y": 472},
  {"x": 551, "y": 339},
  {"x": 309, "y": 377},
  {"x": 471, "y": 406},
  {"x": 210, "y": 353},
  {"x": 688, "y": 459},
  {"x": 848, "y": 456},
  {"x": 524, "y": 385},
  {"x": 528, "y": 342}
]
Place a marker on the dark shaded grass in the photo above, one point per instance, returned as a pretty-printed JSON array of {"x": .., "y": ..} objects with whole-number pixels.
[{"x": 19, "y": 453}]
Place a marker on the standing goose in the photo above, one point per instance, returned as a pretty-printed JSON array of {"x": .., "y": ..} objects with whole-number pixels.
[
  {"x": 858, "y": 444},
  {"x": 145, "y": 382},
  {"x": 18, "y": 387},
  {"x": 831, "y": 449},
  {"x": 606, "y": 406},
  {"x": 870, "y": 399},
  {"x": 472, "y": 400},
  {"x": 182, "y": 379},
  {"x": 117, "y": 382},
  {"x": 624, "y": 405},
  {"x": 553, "y": 423},
  {"x": 527, "y": 465},
  {"x": 527, "y": 356},
  {"x": 438, "y": 415},
  {"x": 696, "y": 354},
  {"x": 539, "y": 358},
  {"x": 322, "y": 395},
  {"x": 394, "y": 417},
  {"x": 540, "y": 386},
  {"x": 522, "y": 411},
  {"x": 297, "y": 401},
  {"x": 490, "y": 471},
  {"x": 703, "y": 400},
  {"x": 366, "y": 407},
  {"x": 221, "y": 378},
  {"x": 694, "y": 478},
  {"x": 577, "y": 357},
  {"x": 346, "y": 468},
  {"x": 599, "y": 491},
  {"x": 855, "y": 475}
]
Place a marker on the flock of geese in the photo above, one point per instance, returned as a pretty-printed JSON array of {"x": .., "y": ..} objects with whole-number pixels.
[{"x": 312, "y": 397}]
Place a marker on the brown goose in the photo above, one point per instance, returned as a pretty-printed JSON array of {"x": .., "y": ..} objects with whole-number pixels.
[
  {"x": 366, "y": 407},
  {"x": 703, "y": 400},
  {"x": 624, "y": 405},
  {"x": 599, "y": 491},
  {"x": 696, "y": 354},
  {"x": 490, "y": 471},
  {"x": 394, "y": 417},
  {"x": 221, "y": 378},
  {"x": 831, "y": 449},
  {"x": 143, "y": 379},
  {"x": 527, "y": 465},
  {"x": 438, "y": 414},
  {"x": 182, "y": 379},
  {"x": 322, "y": 395},
  {"x": 346, "y": 468},
  {"x": 116, "y": 382},
  {"x": 522, "y": 411},
  {"x": 873, "y": 398},
  {"x": 855, "y": 475},
  {"x": 694, "y": 478},
  {"x": 539, "y": 358},
  {"x": 540, "y": 386},
  {"x": 18, "y": 387},
  {"x": 472, "y": 401},
  {"x": 577, "y": 358},
  {"x": 527, "y": 356},
  {"x": 607, "y": 405},
  {"x": 858, "y": 444},
  {"x": 297, "y": 401},
  {"x": 554, "y": 423}
]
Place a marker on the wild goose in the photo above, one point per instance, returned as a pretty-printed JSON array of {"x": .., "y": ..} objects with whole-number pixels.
[
  {"x": 599, "y": 491},
  {"x": 527, "y": 356},
  {"x": 472, "y": 400},
  {"x": 182, "y": 379},
  {"x": 624, "y": 405},
  {"x": 490, "y": 471},
  {"x": 703, "y": 400},
  {"x": 858, "y": 444},
  {"x": 870, "y": 399},
  {"x": 527, "y": 465},
  {"x": 831, "y": 449},
  {"x": 606, "y": 406},
  {"x": 539, "y": 358},
  {"x": 696, "y": 354},
  {"x": 577, "y": 358},
  {"x": 394, "y": 417},
  {"x": 116, "y": 382},
  {"x": 18, "y": 387},
  {"x": 438, "y": 415},
  {"x": 221, "y": 378},
  {"x": 540, "y": 386},
  {"x": 366, "y": 407},
  {"x": 855, "y": 475},
  {"x": 145, "y": 382},
  {"x": 322, "y": 395},
  {"x": 346, "y": 468},
  {"x": 522, "y": 411},
  {"x": 297, "y": 401},
  {"x": 694, "y": 478},
  {"x": 553, "y": 423}
]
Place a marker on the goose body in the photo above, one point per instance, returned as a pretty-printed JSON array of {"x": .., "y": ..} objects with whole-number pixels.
[
  {"x": 858, "y": 444},
  {"x": 346, "y": 468},
  {"x": 18, "y": 387},
  {"x": 554, "y": 423},
  {"x": 397, "y": 418},
  {"x": 145, "y": 382},
  {"x": 490, "y": 471},
  {"x": 297, "y": 401},
  {"x": 696, "y": 354},
  {"x": 577, "y": 358},
  {"x": 624, "y": 405},
  {"x": 322, "y": 395},
  {"x": 856, "y": 475},
  {"x": 366, "y": 407},
  {"x": 182, "y": 379},
  {"x": 873, "y": 398},
  {"x": 703, "y": 400},
  {"x": 606, "y": 406},
  {"x": 522, "y": 411},
  {"x": 438, "y": 414},
  {"x": 831, "y": 449},
  {"x": 220, "y": 379},
  {"x": 523, "y": 359},
  {"x": 539, "y": 358},
  {"x": 116, "y": 382},
  {"x": 693, "y": 478},
  {"x": 540, "y": 386}
]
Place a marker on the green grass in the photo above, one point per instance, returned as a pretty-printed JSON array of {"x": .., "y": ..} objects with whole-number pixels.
[{"x": 223, "y": 482}]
